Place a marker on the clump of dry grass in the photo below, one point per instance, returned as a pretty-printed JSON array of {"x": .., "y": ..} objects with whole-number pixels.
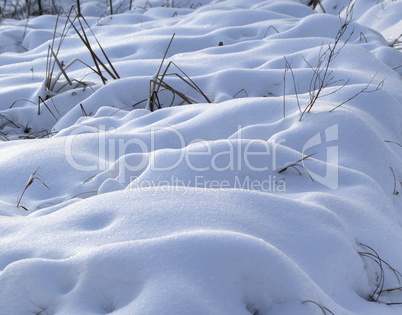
[
  {"x": 19, "y": 9},
  {"x": 323, "y": 81},
  {"x": 56, "y": 69},
  {"x": 102, "y": 66},
  {"x": 77, "y": 23},
  {"x": 6, "y": 122},
  {"x": 158, "y": 83},
  {"x": 322, "y": 75},
  {"x": 379, "y": 290}
]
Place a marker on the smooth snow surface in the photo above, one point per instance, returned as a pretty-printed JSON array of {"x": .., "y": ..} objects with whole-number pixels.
[{"x": 204, "y": 208}]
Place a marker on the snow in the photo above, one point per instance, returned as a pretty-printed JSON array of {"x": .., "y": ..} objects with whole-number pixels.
[{"x": 200, "y": 208}]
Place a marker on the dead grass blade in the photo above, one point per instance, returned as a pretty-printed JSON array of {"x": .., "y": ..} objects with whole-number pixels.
[
  {"x": 34, "y": 176},
  {"x": 52, "y": 88},
  {"x": 113, "y": 73},
  {"x": 297, "y": 164},
  {"x": 50, "y": 63},
  {"x": 395, "y": 192},
  {"x": 83, "y": 193},
  {"x": 187, "y": 80},
  {"x": 89, "y": 178},
  {"x": 40, "y": 100},
  {"x": 324, "y": 309},
  {"x": 363, "y": 90},
  {"x": 8, "y": 121},
  {"x": 84, "y": 113},
  {"x": 393, "y": 142},
  {"x": 396, "y": 42},
  {"x": 288, "y": 67},
  {"x": 153, "y": 90},
  {"x": 242, "y": 90},
  {"x": 3, "y": 136},
  {"x": 273, "y": 27},
  {"x": 85, "y": 41},
  {"x": 60, "y": 66}
]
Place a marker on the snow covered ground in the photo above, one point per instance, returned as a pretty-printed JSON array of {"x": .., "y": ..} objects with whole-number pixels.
[{"x": 243, "y": 202}]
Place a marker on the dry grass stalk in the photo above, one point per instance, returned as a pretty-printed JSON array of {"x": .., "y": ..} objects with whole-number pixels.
[
  {"x": 273, "y": 27},
  {"x": 395, "y": 192},
  {"x": 158, "y": 83},
  {"x": 242, "y": 90},
  {"x": 324, "y": 309},
  {"x": 389, "y": 141},
  {"x": 5, "y": 121},
  {"x": 34, "y": 176},
  {"x": 397, "y": 43},
  {"x": 40, "y": 100},
  {"x": 379, "y": 290},
  {"x": 363, "y": 90},
  {"x": 297, "y": 164},
  {"x": 98, "y": 62},
  {"x": 53, "y": 61},
  {"x": 84, "y": 113},
  {"x": 288, "y": 67},
  {"x": 322, "y": 75},
  {"x": 3, "y": 136},
  {"x": 314, "y": 3},
  {"x": 83, "y": 193}
]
